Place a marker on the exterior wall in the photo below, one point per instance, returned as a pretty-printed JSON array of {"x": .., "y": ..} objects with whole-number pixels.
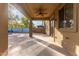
[
  {"x": 3, "y": 29},
  {"x": 68, "y": 40}
]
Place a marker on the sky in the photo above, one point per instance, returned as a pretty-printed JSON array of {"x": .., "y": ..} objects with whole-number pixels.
[
  {"x": 16, "y": 12},
  {"x": 37, "y": 22}
]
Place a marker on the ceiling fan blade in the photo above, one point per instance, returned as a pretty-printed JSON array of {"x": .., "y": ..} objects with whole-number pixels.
[
  {"x": 41, "y": 13},
  {"x": 39, "y": 10},
  {"x": 37, "y": 14},
  {"x": 45, "y": 13}
]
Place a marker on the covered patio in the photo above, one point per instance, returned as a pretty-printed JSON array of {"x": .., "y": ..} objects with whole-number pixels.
[
  {"x": 20, "y": 44},
  {"x": 36, "y": 12},
  {"x": 58, "y": 36},
  {"x": 55, "y": 39},
  {"x": 39, "y": 41}
]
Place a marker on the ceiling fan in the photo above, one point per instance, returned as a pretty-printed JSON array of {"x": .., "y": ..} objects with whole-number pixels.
[{"x": 40, "y": 11}]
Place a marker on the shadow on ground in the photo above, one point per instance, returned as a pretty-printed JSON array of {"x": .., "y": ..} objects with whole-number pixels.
[{"x": 52, "y": 46}]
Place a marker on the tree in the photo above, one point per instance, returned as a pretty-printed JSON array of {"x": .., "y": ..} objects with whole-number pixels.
[{"x": 25, "y": 21}]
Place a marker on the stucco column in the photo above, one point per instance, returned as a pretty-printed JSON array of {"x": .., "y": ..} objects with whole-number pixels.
[
  {"x": 3, "y": 29},
  {"x": 48, "y": 27},
  {"x": 30, "y": 28}
]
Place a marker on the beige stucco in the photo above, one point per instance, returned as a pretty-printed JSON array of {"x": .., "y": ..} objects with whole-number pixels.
[
  {"x": 47, "y": 25},
  {"x": 68, "y": 39}
]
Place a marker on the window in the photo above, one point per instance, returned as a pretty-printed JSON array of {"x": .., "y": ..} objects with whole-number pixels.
[
  {"x": 66, "y": 16},
  {"x": 61, "y": 18}
]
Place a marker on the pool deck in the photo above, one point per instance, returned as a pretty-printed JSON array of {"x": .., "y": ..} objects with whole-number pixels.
[{"x": 20, "y": 44}]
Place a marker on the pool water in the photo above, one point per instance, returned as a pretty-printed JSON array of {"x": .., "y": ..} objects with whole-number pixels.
[{"x": 18, "y": 30}]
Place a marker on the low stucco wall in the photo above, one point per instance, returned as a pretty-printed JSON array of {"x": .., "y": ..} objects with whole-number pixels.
[{"x": 38, "y": 30}]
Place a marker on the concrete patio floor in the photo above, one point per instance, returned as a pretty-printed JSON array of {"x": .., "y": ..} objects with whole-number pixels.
[{"x": 20, "y": 44}]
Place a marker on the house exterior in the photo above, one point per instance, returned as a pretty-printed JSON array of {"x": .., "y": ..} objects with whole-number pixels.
[{"x": 65, "y": 32}]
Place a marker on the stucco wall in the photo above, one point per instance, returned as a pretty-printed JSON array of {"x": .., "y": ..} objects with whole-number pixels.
[
  {"x": 47, "y": 25},
  {"x": 68, "y": 40},
  {"x": 3, "y": 29}
]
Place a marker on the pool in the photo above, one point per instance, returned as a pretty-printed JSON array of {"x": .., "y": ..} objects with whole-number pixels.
[{"x": 18, "y": 30}]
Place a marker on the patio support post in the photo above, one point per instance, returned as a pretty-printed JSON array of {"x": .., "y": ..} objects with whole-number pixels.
[
  {"x": 3, "y": 29},
  {"x": 30, "y": 28},
  {"x": 49, "y": 27}
]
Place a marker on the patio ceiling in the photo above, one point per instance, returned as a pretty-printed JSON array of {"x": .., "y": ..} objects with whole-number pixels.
[{"x": 32, "y": 9}]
